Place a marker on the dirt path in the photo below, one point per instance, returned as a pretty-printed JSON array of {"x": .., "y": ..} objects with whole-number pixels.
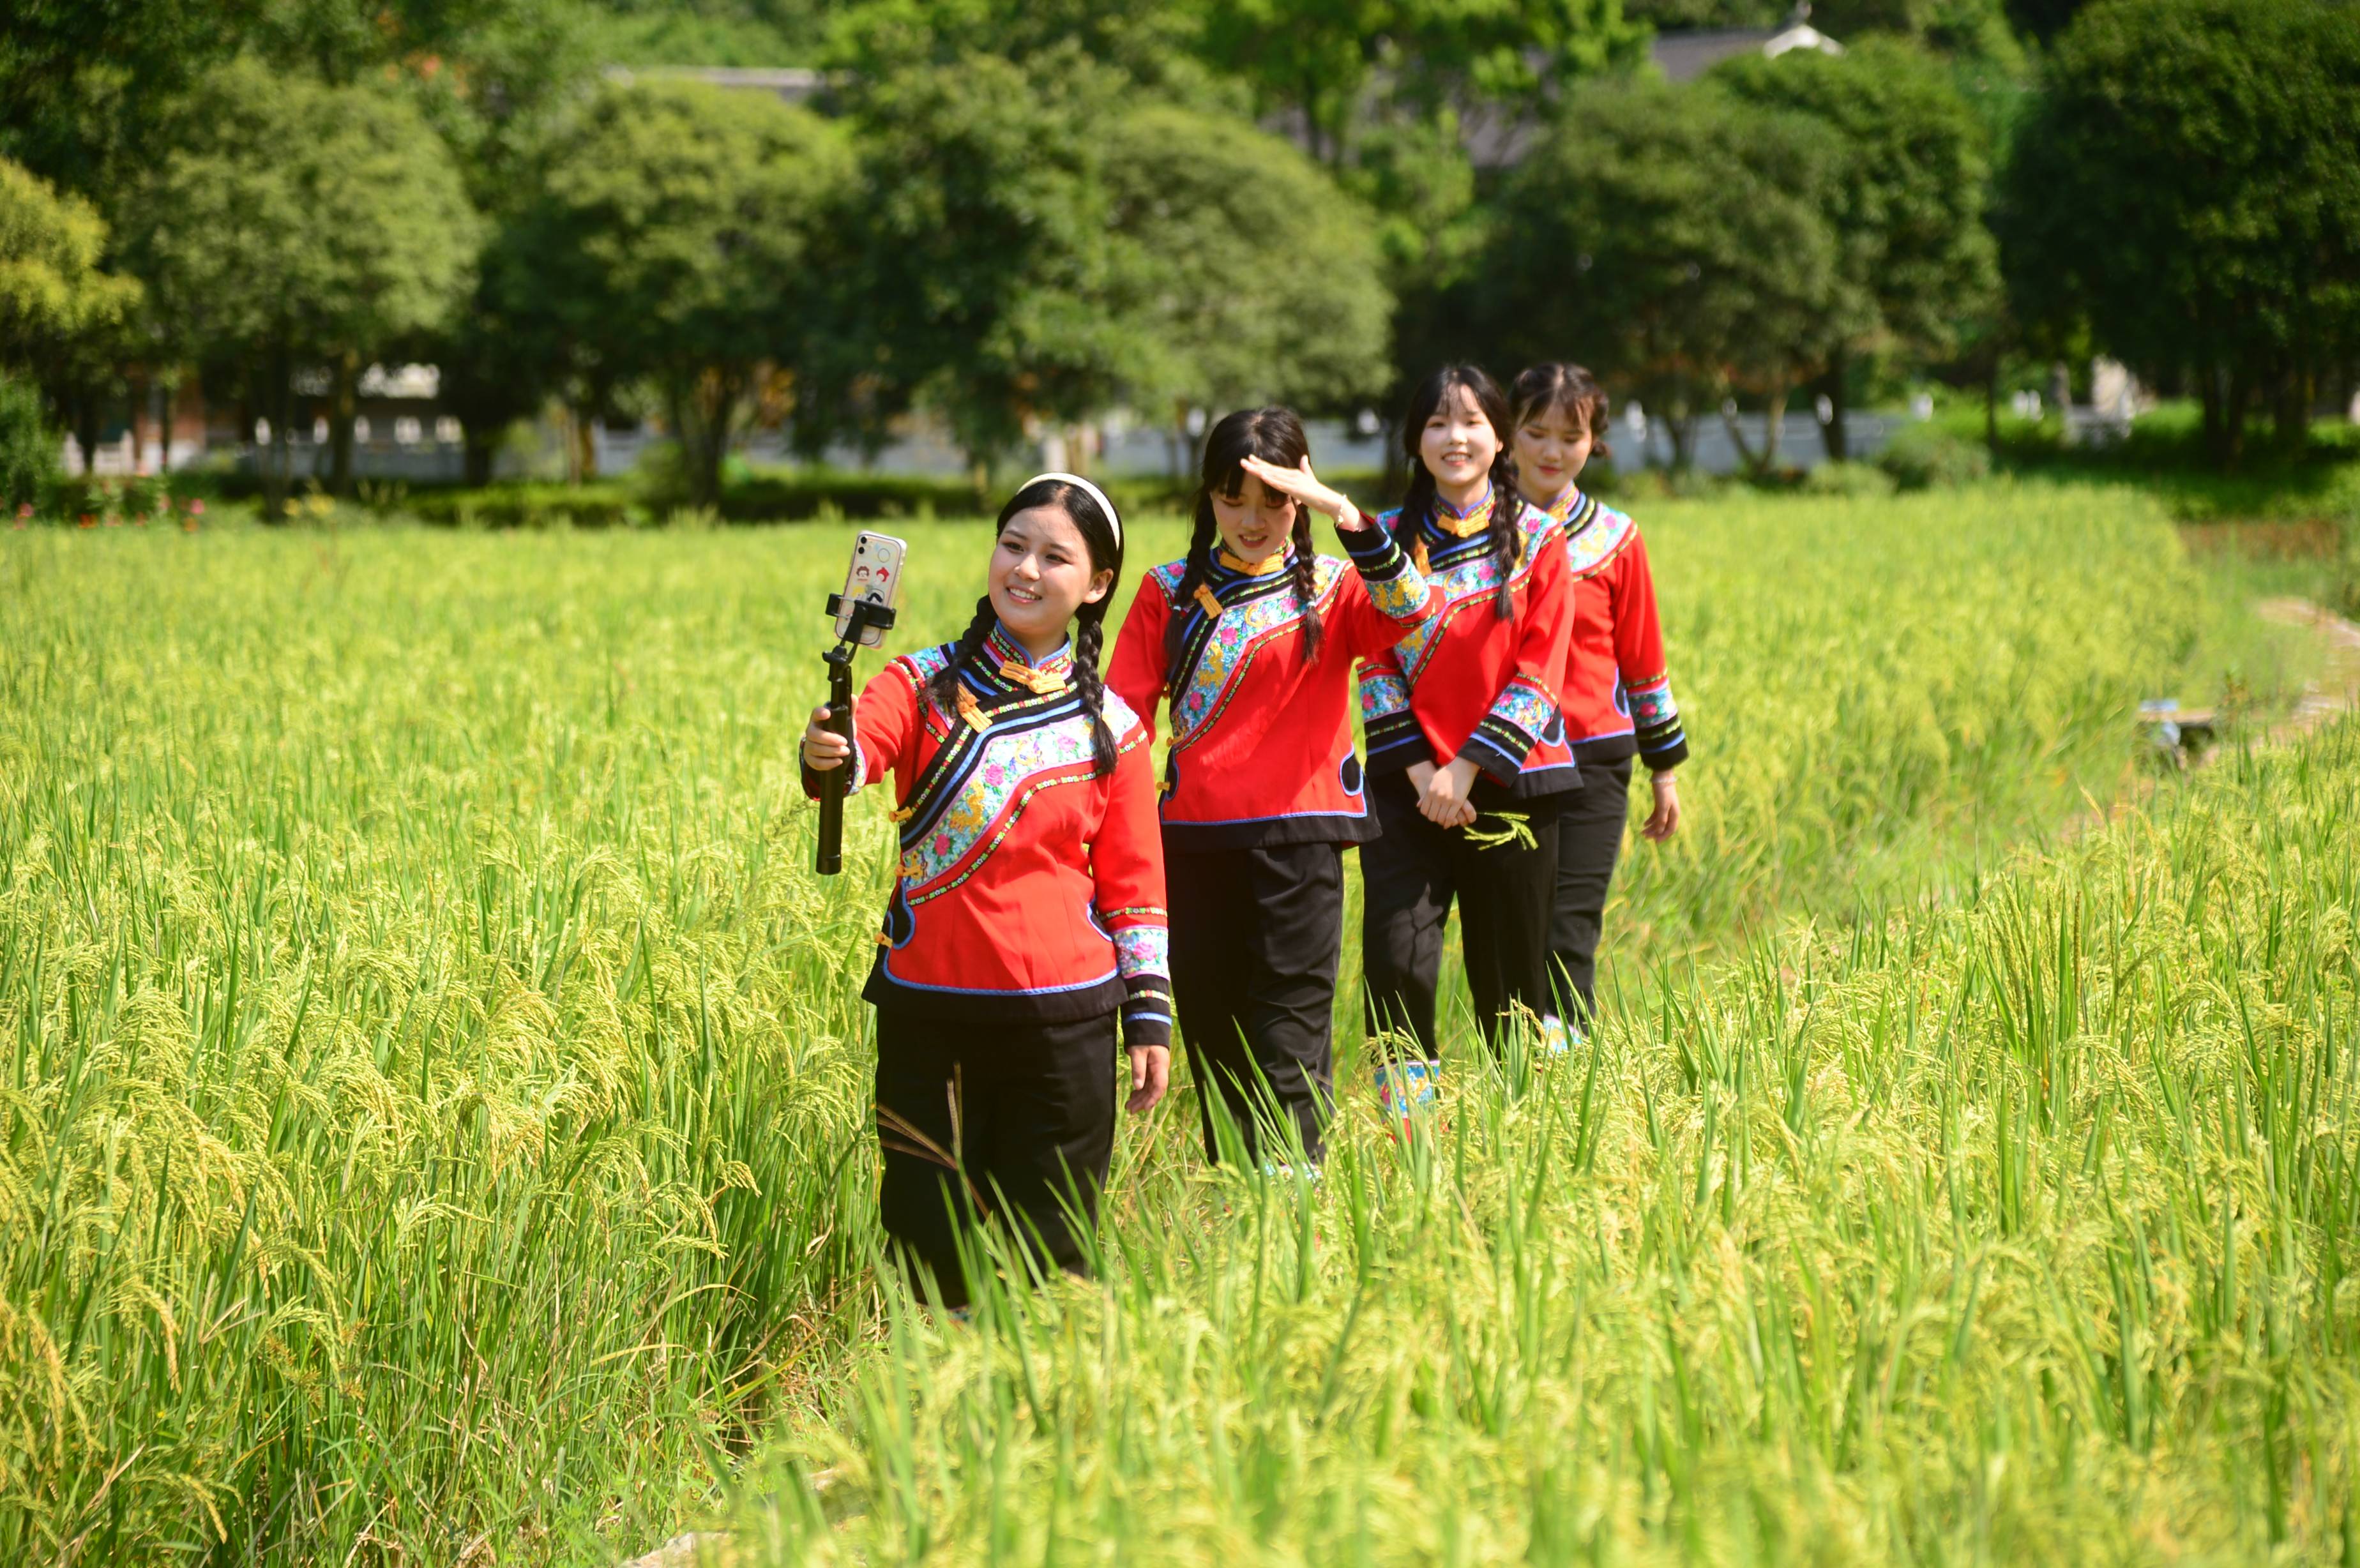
[{"x": 2337, "y": 689}]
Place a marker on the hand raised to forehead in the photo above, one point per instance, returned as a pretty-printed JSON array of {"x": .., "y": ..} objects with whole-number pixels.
[{"x": 1304, "y": 485}]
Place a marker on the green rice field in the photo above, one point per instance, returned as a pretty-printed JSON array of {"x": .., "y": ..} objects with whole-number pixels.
[{"x": 434, "y": 1127}]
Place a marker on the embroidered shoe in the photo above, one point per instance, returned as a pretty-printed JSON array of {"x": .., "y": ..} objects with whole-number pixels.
[{"x": 1406, "y": 1092}]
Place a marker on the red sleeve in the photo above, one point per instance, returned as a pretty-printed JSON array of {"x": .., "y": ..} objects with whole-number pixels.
[
  {"x": 1127, "y": 865},
  {"x": 1529, "y": 698},
  {"x": 1135, "y": 674},
  {"x": 885, "y": 719},
  {"x": 1383, "y": 598},
  {"x": 1638, "y": 638},
  {"x": 1639, "y": 656}
]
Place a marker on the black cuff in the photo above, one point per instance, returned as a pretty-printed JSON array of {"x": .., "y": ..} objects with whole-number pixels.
[{"x": 1494, "y": 749}]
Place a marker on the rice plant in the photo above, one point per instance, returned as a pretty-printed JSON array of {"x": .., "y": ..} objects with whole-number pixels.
[
  {"x": 2017, "y": 1231},
  {"x": 434, "y": 1125}
]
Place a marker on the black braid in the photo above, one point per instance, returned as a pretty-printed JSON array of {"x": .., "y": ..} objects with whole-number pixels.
[
  {"x": 1305, "y": 582},
  {"x": 1417, "y": 508},
  {"x": 1507, "y": 538},
  {"x": 1199, "y": 567},
  {"x": 942, "y": 688},
  {"x": 1088, "y": 629}
]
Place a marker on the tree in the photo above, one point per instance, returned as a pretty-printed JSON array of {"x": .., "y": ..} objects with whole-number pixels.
[
  {"x": 1907, "y": 205},
  {"x": 2187, "y": 187},
  {"x": 985, "y": 276},
  {"x": 1674, "y": 239},
  {"x": 678, "y": 236},
  {"x": 297, "y": 225},
  {"x": 63, "y": 320},
  {"x": 1325, "y": 64},
  {"x": 1261, "y": 280}
]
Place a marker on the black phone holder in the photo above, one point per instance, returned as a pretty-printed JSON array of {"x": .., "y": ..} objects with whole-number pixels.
[{"x": 861, "y": 615}]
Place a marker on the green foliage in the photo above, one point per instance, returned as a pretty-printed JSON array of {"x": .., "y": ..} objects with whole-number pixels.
[
  {"x": 983, "y": 274},
  {"x": 52, "y": 288},
  {"x": 2187, "y": 186},
  {"x": 1676, "y": 240},
  {"x": 1260, "y": 279},
  {"x": 296, "y": 223},
  {"x": 678, "y": 234},
  {"x": 1906, "y": 204},
  {"x": 1920, "y": 457},
  {"x": 29, "y": 448},
  {"x": 1842, "y": 478},
  {"x": 1321, "y": 59}
]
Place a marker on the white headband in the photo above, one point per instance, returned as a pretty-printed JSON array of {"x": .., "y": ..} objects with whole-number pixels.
[{"x": 1114, "y": 518}]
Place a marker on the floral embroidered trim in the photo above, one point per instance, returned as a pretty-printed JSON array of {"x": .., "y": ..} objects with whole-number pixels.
[
  {"x": 1230, "y": 644},
  {"x": 1142, "y": 951}
]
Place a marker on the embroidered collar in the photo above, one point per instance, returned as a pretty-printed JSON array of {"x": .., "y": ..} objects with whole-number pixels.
[
  {"x": 1574, "y": 509},
  {"x": 1276, "y": 561},
  {"x": 1045, "y": 676},
  {"x": 1448, "y": 519}
]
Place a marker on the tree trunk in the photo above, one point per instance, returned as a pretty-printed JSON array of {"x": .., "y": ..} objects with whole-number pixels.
[
  {"x": 1991, "y": 405},
  {"x": 714, "y": 400},
  {"x": 86, "y": 429},
  {"x": 1682, "y": 423},
  {"x": 344, "y": 407},
  {"x": 1745, "y": 454},
  {"x": 583, "y": 468},
  {"x": 479, "y": 447},
  {"x": 2291, "y": 413},
  {"x": 272, "y": 462},
  {"x": 2207, "y": 396},
  {"x": 1835, "y": 437}
]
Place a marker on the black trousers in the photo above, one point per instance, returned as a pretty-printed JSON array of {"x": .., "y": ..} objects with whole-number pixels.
[
  {"x": 1411, "y": 875},
  {"x": 1589, "y": 840},
  {"x": 1256, "y": 936},
  {"x": 1032, "y": 1136}
]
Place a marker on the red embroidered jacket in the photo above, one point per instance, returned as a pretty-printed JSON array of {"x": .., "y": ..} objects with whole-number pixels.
[
  {"x": 1465, "y": 683},
  {"x": 1616, "y": 691},
  {"x": 1028, "y": 888},
  {"x": 1261, "y": 737}
]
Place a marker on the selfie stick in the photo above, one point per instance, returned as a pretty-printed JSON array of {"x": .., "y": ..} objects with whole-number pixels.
[{"x": 863, "y": 613}]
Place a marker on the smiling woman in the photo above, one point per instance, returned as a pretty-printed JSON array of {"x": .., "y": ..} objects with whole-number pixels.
[{"x": 1027, "y": 910}]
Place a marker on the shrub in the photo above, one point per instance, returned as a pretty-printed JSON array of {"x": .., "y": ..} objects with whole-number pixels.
[
  {"x": 28, "y": 449},
  {"x": 1847, "y": 479},
  {"x": 1917, "y": 458}
]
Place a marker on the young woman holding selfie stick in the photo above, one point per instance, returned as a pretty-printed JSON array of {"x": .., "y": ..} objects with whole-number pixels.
[
  {"x": 1466, "y": 753},
  {"x": 1027, "y": 916},
  {"x": 1616, "y": 691},
  {"x": 1252, "y": 636}
]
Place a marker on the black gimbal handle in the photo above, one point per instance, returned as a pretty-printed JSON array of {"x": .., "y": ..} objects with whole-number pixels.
[{"x": 828, "y": 858}]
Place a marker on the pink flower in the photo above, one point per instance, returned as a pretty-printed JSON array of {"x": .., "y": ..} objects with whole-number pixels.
[{"x": 196, "y": 508}]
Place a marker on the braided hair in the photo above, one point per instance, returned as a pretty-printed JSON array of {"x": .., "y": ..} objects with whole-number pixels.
[
  {"x": 1275, "y": 436},
  {"x": 1505, "y": 537},
  {"x": 1568, "y": 389},
  {"x": 1106, "y": 555}
]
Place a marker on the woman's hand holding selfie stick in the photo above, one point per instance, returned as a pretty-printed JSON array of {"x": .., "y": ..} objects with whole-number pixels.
[{"x": 828, "y": 740}]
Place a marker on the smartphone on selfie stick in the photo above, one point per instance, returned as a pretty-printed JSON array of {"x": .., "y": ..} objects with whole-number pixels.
[{"x": 863, "y": 615}]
